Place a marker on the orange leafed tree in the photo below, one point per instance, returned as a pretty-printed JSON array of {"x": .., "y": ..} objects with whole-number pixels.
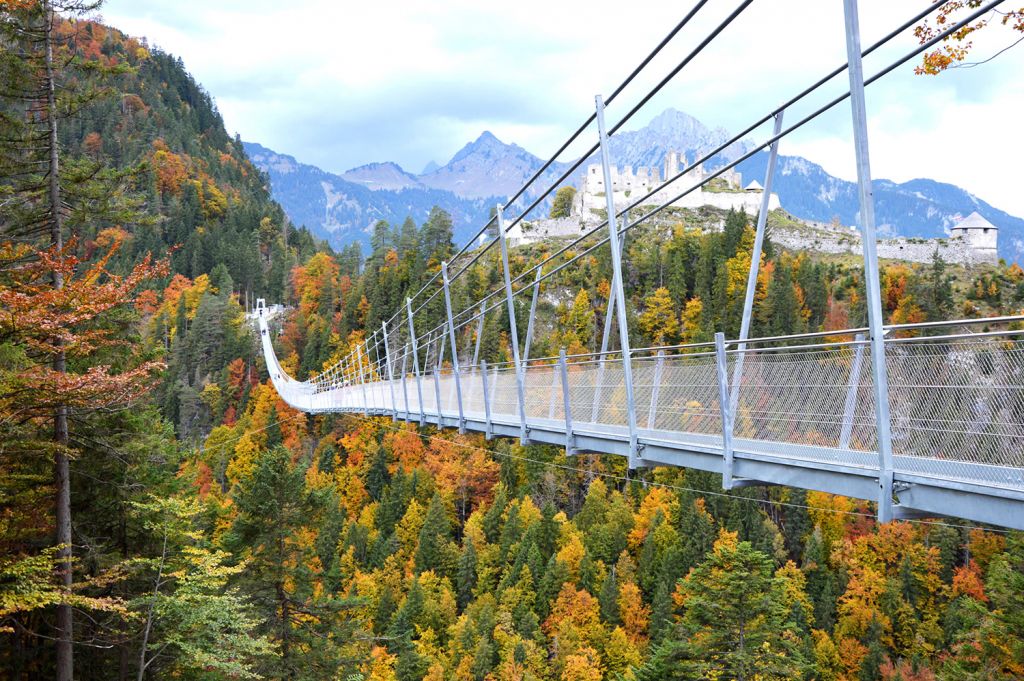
[
  {"x": 41, "y": 321},
  {"x": 954, "y": 49}
]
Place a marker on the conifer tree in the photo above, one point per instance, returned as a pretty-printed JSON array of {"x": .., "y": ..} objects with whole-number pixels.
[
  {"x": 735, "y": 620},
  {"x": 432, "y": 549},
  {"x": 466, "y": 573}
]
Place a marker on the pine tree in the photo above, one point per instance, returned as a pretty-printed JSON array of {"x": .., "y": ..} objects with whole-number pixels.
[
  {"x": 377, "y": 477},
  {"x": 782, "y": 303},
  {"x": 735, "y": 618},
  {"x": 273, "y": 434},
  {"x": 609, "y": 599},
  {"x": 871, "y": 665},
  {"x": 466, "y": 575},
  {"x": 939, "y": 301},
  {"x": 432, "y": 549}
]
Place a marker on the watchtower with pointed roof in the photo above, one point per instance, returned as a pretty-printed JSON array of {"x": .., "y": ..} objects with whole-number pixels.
[{"x": 980, "y": 234}]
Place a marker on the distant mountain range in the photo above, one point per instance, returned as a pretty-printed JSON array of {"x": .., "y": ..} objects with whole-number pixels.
[{"x": 343, "y": 208}]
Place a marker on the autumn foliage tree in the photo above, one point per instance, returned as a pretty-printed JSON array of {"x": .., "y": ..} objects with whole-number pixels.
[{"x": 956, "y": 46}]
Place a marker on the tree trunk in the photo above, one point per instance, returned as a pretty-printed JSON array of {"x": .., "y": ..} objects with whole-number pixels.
[
  {"x": 143, "y": 663},
  {"x": 62, "y": 474},
  {"x": 286, "y": 642}
]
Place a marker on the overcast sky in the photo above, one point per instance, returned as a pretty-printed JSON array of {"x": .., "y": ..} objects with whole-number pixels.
[{"x": 338, "y": 83}]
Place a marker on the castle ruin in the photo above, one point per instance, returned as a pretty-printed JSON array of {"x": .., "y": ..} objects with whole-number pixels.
[
  {"x": 972, "y": 240},
  {"x": 724, "y": 191}
]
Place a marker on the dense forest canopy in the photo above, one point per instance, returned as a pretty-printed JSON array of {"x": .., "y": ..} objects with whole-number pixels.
[{"x": 184, "y": 522}]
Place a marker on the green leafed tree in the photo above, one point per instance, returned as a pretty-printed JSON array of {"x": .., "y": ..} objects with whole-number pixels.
[
  {"x": 561, "y": 206},
  {"x": 192, "y": 621},
  {"x": 735, "y": 623}
]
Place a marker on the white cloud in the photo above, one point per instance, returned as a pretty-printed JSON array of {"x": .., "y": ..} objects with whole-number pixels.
[{"x": 340, "y": 83}]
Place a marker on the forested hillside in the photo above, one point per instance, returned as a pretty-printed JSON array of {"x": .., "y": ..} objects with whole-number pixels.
[{"x": 185, "y": 523}]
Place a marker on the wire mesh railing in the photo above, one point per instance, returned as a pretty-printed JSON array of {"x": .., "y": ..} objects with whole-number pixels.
[{"x": 956, "y": 400}]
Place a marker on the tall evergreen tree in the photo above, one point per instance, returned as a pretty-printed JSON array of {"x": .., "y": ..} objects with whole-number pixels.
[{"x": 432, "y": 548}]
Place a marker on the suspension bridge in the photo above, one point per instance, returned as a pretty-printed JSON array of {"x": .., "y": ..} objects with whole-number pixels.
[{"x": 926, "y": 419}]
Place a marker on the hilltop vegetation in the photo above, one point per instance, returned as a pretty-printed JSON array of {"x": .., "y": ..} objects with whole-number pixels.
[{"x": 218, "y": 534}]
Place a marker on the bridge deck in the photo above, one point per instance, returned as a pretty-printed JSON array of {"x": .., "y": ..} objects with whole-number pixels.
[{"x": 804, "y": 418}]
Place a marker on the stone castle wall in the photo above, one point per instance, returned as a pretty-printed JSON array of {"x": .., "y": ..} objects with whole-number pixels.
[
  {"x": 810, "y": 236},
  {"x": 837, "y": 240}
]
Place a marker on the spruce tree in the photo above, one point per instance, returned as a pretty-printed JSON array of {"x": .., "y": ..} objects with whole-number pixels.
[
  {"x": 735, "y": 618},
  {"x": 432, "y": 549},
  {"x": 465, "y": 575},
  {"x": 608, "y": 598},
  {"x": 377, "y": 477}
]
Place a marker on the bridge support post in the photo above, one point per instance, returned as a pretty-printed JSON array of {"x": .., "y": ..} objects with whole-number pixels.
[
  {"x": 488, "y": 432},
  {"x": 755, "y": 264},
  {"x": 659, "y": 367},
  {"x": 850, "y": 407},
  {"x": 617, "y": 286},
  {"x": 405, "y": 383},
  {"x": 391, "y": 372},
  {"x": 533, "y": 312},
  {"x": 570, "y": 440},
  {"x": 725, "y": 408},
  {"x": 416, "y": 360},
  {"x": 524, "y": 430},
  {"x": 455, "y": 347},
  {"x": 873, "y": 289},
  {"x": 609, "y": 314}
]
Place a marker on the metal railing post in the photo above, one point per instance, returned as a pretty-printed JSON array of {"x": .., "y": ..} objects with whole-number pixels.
[
  {"x": 455, "y": 347},
  {"x": 524, "y": 430},
  {"x": 391, "y": 372},
  {"x": 659, "y": 366},
  {"x": 416, "y": 360},
  {"x": 570, "y": 440},
  {"x": 488, "y": 434},
  {"x": 755, "y": 264},
  {"x": 620, "y": 296},
  {"x": 876, "y": 331},
  {"x": 722, "y": 366},
  {"x": 852, "y": 386},
  {"x": 533, "y": 312}
]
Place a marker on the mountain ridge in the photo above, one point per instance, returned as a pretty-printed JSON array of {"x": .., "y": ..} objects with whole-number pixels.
[{"x": 488, "y": 170}]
